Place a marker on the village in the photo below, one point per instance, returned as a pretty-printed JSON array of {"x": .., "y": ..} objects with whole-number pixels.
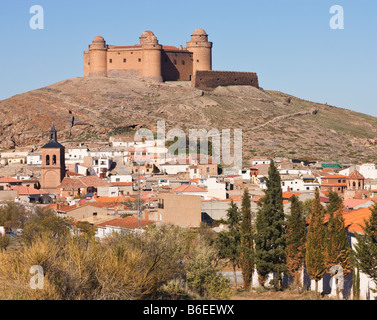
[
  {"x": 102, "y": 184},
  {"x": 106, "y": 185}
]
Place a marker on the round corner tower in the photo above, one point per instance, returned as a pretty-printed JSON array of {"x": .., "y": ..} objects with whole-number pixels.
[
  {"x": 151, "y": 58},
  {"x": 98, "y": 57},
  {"x": 202, "y": 51}
]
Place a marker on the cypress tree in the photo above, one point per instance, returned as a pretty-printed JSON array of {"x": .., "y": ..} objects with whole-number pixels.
[
  {"x": 270, "y": 234},
  {"x": 247, "y": 246},
  {"x": 338, "y": 248},
  {"x": 365, "y": 250},
  {"x": 228, "y": 242},
  {"x": 356, "y": 284},
  {"x": 295, "y": 239},
  {"x": 315, "y": 256}
]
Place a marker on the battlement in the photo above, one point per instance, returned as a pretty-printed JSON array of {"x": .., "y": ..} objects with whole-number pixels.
[{"x": 209, "y": 80}]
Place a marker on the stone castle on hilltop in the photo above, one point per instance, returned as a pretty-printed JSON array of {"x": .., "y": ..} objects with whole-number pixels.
[{"x": 154, "y": 62}]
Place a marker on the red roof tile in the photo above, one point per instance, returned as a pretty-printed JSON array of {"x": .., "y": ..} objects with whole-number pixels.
[
  {"x": 188, "y": 188},
  {"x": 9, "y": 180},
  {"x": 127, "y": 222},
  {"x": 28, "y": 191}
]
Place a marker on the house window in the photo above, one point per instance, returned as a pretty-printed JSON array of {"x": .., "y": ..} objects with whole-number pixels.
[
  {"x": 111, "y": 61},
  {"x": 94, "y": 214},
  {"x": 139, "y": 60},
  {"x": 175, "y": 61},
  {"x": 183, "y": 62},
  {"x": 117, "y": 179}
]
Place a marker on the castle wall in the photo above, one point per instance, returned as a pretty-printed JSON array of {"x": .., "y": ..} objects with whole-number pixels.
[
  {"x": 209, "y": 80},
  {"x": 176, "y": 65},
  {"x": 124, "y": 63},
  {"x": 86, "y": 64}
]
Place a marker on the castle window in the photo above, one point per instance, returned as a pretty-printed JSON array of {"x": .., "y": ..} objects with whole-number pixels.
[
  {"x": 175, "y": 61},
  {"x": 54, "y": 159},
  {"x": 111, "y": 61},
  {"x": 183, "y": 62},
  {"x": 47, "y": 160},
  {"x": 124, "y": 60},
  {"x": 197, "y": 60},
  {"x": 139, "y": 60},
  {"x": 132, "y": 52}
]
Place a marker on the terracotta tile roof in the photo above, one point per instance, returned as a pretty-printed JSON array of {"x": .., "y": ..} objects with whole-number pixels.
[
  {"x": 188, "y": 188},
  {"x": 351, "y": 203},
  {"x": 114, "y": 199},
  {"x": 354, "y": 219},
  {"x": 9, "y": 180},
  {"x": 356, "y": 175},
  {"x": 120, "y": 184},
  {"x": 72, "y": 173},
  {"x": 288, "y": 195},
  {"x": 334, "y": 176},
  {"x": 83, "y": 182},
  {"x": 127, "y": 222},
  {"x": 22, "y": 190}
]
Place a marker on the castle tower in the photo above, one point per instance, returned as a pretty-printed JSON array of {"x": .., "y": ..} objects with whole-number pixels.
[
  {"x": 151, "y": 57},
  {"x": 202, "y": 51},
  {"x": 98, "y": 58},
  {"x": 53, "y": 163},
  {"x": 355, "y": 181}
]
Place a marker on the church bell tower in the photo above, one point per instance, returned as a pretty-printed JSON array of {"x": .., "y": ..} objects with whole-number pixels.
[{"x": 53, "y": 163}]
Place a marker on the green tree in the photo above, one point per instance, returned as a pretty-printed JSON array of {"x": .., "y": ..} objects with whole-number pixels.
[
  {"x": 247, "y": 245},
  {"x": 365, "y": 250},
  {"x": 203, "y": 272},
  {"x": 338, "y": 248},
  {"x": 295, "y": 251},
  {"x": 13, "y": 215},
  {"x": 4, "y": 242},
  {"x": 228, "y": 242},
  {"x": 315, "y": 256},
  {"x": 356, "y": 284},
  {"x": 45, "y": 220},
  {"x": 270, "y": 234}
]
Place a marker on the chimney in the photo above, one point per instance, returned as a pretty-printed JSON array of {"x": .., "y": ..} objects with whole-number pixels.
[{"x": 146, "y": 214}]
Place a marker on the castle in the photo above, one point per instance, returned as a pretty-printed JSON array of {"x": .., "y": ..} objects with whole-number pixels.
[{"x": 154, "y": 62}]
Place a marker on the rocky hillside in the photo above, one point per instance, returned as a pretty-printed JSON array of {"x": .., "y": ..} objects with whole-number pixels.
[{"x": 273, "y": 123}]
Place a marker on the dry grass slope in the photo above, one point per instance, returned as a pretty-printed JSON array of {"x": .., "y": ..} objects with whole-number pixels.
[{"x": 273, "y": 123}]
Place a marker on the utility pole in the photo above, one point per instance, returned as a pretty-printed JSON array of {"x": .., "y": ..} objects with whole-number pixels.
[{"x": 138, "y": 198}]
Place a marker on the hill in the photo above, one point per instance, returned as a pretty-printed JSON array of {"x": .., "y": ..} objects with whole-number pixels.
[{"x": 273, "y": 123}]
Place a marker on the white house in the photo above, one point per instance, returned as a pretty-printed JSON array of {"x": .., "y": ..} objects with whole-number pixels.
[
  {"x": 367, "y": 170},
  {"x": 34, "y": 159},
  {"x": 173, "y": 169},
  {"x": 121, "y": 178},
  {"x": 215, "y": 189}
]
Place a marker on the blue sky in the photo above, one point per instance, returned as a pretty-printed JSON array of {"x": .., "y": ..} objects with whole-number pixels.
[{"x": 289, "y": 43}]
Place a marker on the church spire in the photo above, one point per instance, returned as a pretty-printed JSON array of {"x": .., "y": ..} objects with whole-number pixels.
[{"x": 53, "y": 133}]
